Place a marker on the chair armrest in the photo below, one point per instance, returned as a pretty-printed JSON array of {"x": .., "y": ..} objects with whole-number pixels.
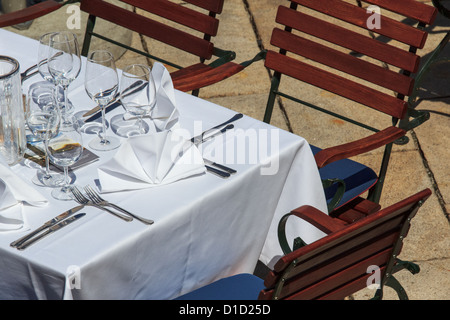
[
  {"x": 360, "y": 146},
  {"x": 30, "y": 13},
  {"x": 312, "y": 215},
  {"x": 207, "y": 77},
  {"x": 201, "y": 75}
]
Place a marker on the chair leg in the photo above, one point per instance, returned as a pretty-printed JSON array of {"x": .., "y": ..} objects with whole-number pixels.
[
  {"x": 88, "y": 35},
  {"x": 394, "y": 284},
  {"x": 273, "y": 94}
]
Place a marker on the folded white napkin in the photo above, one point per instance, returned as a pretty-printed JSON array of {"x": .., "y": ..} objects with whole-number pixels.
[
  {"x": 165, "y": 114},
  {"x": 14, "y": 192},
  {"x": 150, "y": 160}
]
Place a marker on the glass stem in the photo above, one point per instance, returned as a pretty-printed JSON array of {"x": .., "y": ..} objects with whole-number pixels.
[
  {"x": 65, "y": 106},
  {"x": 47, "y": 160},
  {"x": 103, "y": 133},
  {"x": 66, "y": 178}
]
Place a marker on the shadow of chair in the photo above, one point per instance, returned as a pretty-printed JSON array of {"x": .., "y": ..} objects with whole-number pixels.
[
  {"x": 186, "y": 28},
  {"x": 353, "y": 255},
  {"x": 317, "y": 45}
]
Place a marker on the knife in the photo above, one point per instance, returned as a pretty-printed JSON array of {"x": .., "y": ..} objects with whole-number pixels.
[
  {"x": 98, "y": 114},
  {"x": 139, "y": 85},
  {"x": 220, "y": 173},
  {"x": 228, "y": 127},
  {"x": 200, "y": 136},
  {"x": 50, "y": 230},
  {"x": 219, "y": 166},
  {"x": 48, "y": 224}
]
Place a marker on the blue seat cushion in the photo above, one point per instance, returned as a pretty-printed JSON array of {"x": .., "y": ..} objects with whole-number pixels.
[
  {"x": 239, "y": 287},
  {"x": 358, "y": 177}
]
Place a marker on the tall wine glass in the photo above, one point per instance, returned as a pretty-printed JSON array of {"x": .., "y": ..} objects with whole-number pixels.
[
  {"x": 42, "y": 65},
  {"x": 101, "y": 85},
  {"x": 65, "y": 150},
  {"x": 138, "y": 92},
  {"x": 43, "y": 120},
  {"x": 64, "y": 63}
]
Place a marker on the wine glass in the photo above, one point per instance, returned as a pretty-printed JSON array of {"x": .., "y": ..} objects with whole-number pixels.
[
  {"x": 101, "y": 84},
  {"x": 42, "y": 65},
  {"x": 43, "y": 120},
  {"x": 65, "y": 150},
  {"x": 138, "y": 93},
  {"x": 64, "y": 63}
]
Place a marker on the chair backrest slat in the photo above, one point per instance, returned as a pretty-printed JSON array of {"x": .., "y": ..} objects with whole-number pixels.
[
  {"x": 179, "y": 14},
  {"x": 148, "y": 27},
  {"x": 348, "y": 39},
  {"x": 214, "y": 6},
  {"x": 336, "y": 265},
  {"x": 336, "y": 84},
  {"x": 359, "y": 17},
  {"x": 408, "y": 8},
  {"x": 344, "y": 62}
]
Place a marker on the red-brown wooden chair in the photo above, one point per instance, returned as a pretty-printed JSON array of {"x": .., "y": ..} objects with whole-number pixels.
[
  {"x": 202, "y": 21},
  {"x": 361, "y": 248},
  {"x": 332, "y": 56}
]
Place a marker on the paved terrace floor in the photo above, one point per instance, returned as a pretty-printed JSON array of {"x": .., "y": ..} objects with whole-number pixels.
[{"x": 245, "y": 27}]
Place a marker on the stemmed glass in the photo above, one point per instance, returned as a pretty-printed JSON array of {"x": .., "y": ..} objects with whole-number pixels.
[
  {"x": 138, "y": 92},
  {"x": 101, "y": 85},
  {"x": 64, "y": 63},
  {"x": 65, "y": 150},
  {"x": 43, "y": 120},
  {"x": 42, "y": 65}
]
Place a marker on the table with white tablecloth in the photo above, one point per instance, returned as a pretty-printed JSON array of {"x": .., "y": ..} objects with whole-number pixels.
[{"x": 206, "y": 227}]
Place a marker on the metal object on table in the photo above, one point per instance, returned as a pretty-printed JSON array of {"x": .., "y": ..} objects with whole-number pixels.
[
  {"x": 218, "y": 167},
  {"x": 220, "y": 173},
  {"x": 198, "y": 138},
  {"x": 81, "y": 199},
  {"x": 95, "y": 197},
  {"x": 46, "y": 225},
  {"x": 51, "y": 230}
]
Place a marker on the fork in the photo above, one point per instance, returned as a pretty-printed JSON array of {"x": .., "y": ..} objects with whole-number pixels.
[
  {"x": 95, "y": 198},
  {"x": 81, "y": 199}
]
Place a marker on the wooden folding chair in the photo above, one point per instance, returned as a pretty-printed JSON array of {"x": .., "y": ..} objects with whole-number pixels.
[
  {"x": 200, "y": 21},
  {"x": 350, "y": 63},
  {"x": 361, "y": 249}
]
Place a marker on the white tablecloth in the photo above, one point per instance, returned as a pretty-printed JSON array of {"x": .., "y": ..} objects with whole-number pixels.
[{"x": 205, "y": 227}]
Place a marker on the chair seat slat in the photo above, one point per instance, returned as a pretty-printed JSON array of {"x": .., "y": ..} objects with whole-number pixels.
[
  {"x": 336, "y": 84},
  {"x": 359, "y": 17},
  {"x": 348, "y": 39},
  {"x": 179, "y": 14},
  {"x": 150, "y": 28},
  {"x": 344, "y": 62}
]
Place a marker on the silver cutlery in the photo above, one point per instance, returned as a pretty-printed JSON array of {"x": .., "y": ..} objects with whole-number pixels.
[
  {"x": 113, "y": 104},
  {"x": 221, "y": 170},
  {"x": 46, "y": 225},
  {"x": 200, "y": 136},
  {"x": 219, "y": 166},
  {"x": 218, "y": 133},
  {"x": 220, "y": 173},
  {"x": 25, "y": 75},
  {"x": 50, "y": 230},
  {"x": 81, "y": 199},
  {"x": 95, "y": 197}
]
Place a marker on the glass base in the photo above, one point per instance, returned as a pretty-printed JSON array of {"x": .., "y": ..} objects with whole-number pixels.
[
  {"x": 63, "y": 194},
  {"x": 105, "y": 144},
  {"x": 51, "y": 180},
  {"x": 128, "y": 128}
]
